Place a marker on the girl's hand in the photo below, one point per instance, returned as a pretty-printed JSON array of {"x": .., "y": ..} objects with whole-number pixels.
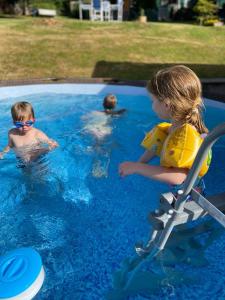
[
  {"x": 127, "y": 168},
  {"x": 1, "y": 155}
]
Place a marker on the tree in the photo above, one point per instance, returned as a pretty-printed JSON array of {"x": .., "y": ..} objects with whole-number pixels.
[
  {"x": 6, "y": 6},
  {"x": 24, "y": 5},
  {"x": 11, "y": 6},
  {"x": 205, "y": 10}
]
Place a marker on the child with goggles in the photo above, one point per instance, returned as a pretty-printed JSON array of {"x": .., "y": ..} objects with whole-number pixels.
[{"x": 27, "y": 141}]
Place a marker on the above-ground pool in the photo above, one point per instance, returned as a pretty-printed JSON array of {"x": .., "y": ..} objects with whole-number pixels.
[{"x": 83, "y": 219}]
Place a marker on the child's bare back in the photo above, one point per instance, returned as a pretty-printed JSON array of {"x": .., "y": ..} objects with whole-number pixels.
[{"x": 98, "y": 122}]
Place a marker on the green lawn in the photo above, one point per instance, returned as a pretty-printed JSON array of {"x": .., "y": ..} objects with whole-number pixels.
[{"x": 62, "y": 47}]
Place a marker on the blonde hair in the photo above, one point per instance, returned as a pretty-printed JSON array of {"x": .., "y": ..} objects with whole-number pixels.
[
  {"x": 109, "y": 101},
  {"x": 21, "y": 111},
  {"x": 180, "y": 88}
]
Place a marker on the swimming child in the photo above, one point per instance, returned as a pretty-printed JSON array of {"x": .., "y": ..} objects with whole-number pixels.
[
  {"x": 109, "y": 104},
  {"x": 98, "y": 122},
  {"x": 176, "y": 96},
  {"x": 98, "y": 125},
  {"x": 27, "y": 141}
]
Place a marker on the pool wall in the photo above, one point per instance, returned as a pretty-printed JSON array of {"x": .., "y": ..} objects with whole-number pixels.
[
  {"x": 68, "y": 88},
  {"x": 213, "y": 88},
  {"x": 82, "y": 88}
]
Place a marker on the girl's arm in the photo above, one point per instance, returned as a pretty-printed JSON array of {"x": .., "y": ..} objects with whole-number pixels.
[
  {"x": 147, "y": 156},
  {"x": 167, "y": 175}
]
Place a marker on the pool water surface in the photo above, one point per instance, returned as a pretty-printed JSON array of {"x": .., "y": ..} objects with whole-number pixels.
[{"x": 83, "y": 219}]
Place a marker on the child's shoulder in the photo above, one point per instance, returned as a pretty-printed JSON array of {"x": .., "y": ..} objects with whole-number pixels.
[
  {"x": 38, "y": 132},
  {"x": 12, "y": 131}
]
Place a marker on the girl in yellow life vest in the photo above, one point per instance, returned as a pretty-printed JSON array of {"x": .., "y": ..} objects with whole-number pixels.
[{"x": 176, "y": 96}]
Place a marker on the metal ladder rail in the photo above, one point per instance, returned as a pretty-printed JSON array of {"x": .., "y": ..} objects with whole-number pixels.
[
  {"x": 207, "y": 144},
  {"x": 189, "y": 182},
  {"x": 159, "y": 237}
]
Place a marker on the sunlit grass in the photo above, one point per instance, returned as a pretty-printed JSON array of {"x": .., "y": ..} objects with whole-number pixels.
[{"x": 62, "y": 47}]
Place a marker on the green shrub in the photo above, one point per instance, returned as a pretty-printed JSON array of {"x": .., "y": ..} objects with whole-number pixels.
[
  {"x": 63, "y": 7},
  {"x": 142, "y": 12},
  {"x": 205, "y": 10},
  {"x": 210, "y": 22}
]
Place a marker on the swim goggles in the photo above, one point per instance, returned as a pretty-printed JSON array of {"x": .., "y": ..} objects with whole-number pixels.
[{"x": 20, "y": 124}]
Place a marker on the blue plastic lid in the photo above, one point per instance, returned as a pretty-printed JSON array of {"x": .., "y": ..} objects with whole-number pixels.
[{"x": 18, "y": 270}]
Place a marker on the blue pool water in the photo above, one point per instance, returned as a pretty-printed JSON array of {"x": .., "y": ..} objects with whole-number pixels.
[{"x": 74, "y": 209}]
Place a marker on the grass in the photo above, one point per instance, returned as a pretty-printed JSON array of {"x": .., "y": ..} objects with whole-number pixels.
[
  {"x": 48, "y": 4},
  {"x": 63, "y": 47}
]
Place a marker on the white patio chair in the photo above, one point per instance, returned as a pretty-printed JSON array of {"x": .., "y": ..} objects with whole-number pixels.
[
  {"x": 118, "y": 8},
  {"x": 86, "y": 5},
  {"x": 97, "y": 10},
  {"x": 101, "y": 10},
  {"x": 106, "y": 10}
]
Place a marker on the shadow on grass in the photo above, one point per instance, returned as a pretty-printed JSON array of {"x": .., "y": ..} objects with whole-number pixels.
[
  {"x": 213, "y": 76},
  {"x": 144, "y": 71}
]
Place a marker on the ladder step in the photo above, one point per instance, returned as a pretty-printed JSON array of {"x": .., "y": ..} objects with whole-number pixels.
[{"x": 193, "y": 209}]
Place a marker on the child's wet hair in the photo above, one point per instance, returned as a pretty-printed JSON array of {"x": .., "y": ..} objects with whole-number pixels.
[
  {"x": 180, "y": 88},
  {"x": 22, "y": 111},
  {"x": 109, "y": 101}
]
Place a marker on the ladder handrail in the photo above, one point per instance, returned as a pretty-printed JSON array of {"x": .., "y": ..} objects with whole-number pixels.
[
  {"x": 189, "y": 182},
  {"x": 173, "y": 216}
]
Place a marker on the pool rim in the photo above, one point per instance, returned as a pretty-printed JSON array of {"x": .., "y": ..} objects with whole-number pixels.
[
  {"x": 212, "y": 88},
  {"x": 81, "y": 88}
]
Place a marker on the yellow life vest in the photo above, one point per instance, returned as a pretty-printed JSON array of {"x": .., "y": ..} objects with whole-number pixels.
[
  {"x": 178, "y": 148},
  {"x": 154, "y": 139}
]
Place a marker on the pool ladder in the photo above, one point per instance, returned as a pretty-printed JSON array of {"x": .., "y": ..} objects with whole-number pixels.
[{"x": 175, "y": 210}]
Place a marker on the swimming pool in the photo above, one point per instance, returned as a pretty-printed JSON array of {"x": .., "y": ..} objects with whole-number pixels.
[{"x": 83, "y": 219}]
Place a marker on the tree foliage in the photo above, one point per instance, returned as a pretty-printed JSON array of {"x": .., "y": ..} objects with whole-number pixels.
[
  {"x": 8, "y": 6},
  {"x": 205, "y": 10},
  {"x": 13, "y": 6}
]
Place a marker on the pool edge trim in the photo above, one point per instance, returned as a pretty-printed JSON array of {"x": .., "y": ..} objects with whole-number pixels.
[{"x": 213, "y": 88}]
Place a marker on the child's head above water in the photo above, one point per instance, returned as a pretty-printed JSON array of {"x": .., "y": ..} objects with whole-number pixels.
[
  {"x": 22, "y": 111},
  {"x": 179, "y": 88},
  {"x": 109, "y": 102},
  {"x": 23, "y": 116}
]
